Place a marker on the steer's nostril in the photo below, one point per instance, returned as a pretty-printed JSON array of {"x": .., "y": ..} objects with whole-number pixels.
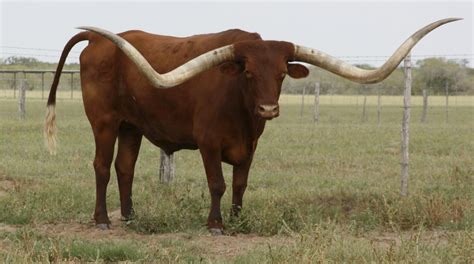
[{"x": 268, "y": 108}]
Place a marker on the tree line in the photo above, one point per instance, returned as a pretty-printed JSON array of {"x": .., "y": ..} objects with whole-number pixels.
[{"x": 432, "y": 74}]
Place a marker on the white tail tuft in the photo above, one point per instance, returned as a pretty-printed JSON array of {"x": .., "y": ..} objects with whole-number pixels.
[{"x": 50, "y": 129}]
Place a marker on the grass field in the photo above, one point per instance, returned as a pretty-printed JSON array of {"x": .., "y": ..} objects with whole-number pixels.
[{"x": 317, "y": 193}]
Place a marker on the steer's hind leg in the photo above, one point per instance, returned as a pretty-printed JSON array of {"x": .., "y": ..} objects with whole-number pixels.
[
  {"x": 105, "y": 134},
  {"x": 129, "y": 141}
]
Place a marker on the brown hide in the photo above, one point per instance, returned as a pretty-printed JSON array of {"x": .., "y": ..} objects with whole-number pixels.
[{"x": 206, "y": 106}]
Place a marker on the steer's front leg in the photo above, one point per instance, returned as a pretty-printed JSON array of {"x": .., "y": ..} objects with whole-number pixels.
[
  {"x": 216, "y": 184},
  {"x": 239, "y": 184}
]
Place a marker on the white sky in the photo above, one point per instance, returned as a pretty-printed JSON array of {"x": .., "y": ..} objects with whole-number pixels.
[{"x": 349, "y": 28}]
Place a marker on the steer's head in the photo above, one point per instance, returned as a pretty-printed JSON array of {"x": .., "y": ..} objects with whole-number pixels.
[{"x": 262, "y": 66}]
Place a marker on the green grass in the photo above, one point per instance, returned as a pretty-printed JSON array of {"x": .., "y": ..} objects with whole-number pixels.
[
  {"x": 39, "y": 248},
  {"x": 331, "y": 187}
]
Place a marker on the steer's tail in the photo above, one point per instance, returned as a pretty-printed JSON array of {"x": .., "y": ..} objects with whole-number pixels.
[{"x": 50, "y": 120}]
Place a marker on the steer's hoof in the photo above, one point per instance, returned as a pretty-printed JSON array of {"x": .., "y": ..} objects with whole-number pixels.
[
  {"x": 216, "y": 231},
  {"x": 103, "y": 226},
  {"x": 126, "y": 218}
]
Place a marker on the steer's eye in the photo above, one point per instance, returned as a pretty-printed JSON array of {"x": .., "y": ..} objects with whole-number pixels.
[{"x": 248, "y": 74}]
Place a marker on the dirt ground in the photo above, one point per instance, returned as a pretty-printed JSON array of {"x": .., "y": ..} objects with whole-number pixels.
[
  {"x": 213, "y": 245},
  {"x": 224, "y": 246},
  {"x": 6, "y": 185}
]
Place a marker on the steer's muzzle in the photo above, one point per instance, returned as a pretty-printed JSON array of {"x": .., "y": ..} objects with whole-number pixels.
[{"x": 268, "y": 111}]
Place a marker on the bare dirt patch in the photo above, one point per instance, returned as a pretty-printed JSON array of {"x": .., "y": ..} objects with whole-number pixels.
[
  {"x": 5, "y": 243},
  {"x": 389, "y": 239},
  {"x": 6, "y": 186},
  {"x": 7, "y": 228},
  {"x": 222, "y": 246}
]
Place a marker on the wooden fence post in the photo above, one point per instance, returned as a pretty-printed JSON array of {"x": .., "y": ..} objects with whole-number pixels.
[
  {"x": 14, "y": 85},
  {"x": 42, "y": 85},
  {"x": 379, "y": 107},
  {"x": 21, "y": 98},
  {"x": 364, "y": 107},
  {"x": 405, "y": 126},
  {"x": 425, "y": 106},
  {"x": 167, "y": 167},
  {"x": 316, "y": 102},
  {"x": 72, "y": 85},
  {"x": 447, "y": 99},
  {"x": 302, "y": 100}
]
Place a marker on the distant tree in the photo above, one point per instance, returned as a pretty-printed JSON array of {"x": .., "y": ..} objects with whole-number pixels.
[
  {"x": 435, "y": 73},
  {"x": 25, "y": 61}
]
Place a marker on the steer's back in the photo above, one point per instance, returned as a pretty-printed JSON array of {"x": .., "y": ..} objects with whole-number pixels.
[{"x": 113, "y": 88}]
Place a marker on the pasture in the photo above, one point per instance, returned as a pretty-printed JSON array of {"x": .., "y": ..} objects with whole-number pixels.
[{"x": 326, "y": 192}]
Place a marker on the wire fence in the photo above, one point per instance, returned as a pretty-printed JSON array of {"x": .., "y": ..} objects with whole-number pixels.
[
  {"x": 372, "y": 100},
  {"x": 24, "y": 85},
  {"x": 38, "y": 83}
]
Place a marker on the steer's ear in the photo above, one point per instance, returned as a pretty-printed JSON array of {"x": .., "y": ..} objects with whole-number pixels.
[
  {"x": 297, "y": 70},
  {"x": 231, "y": 67}
]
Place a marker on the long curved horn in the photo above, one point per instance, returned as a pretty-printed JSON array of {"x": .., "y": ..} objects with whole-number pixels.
[
  {"x": 176, "y": 76},
  {"x": 359, "y": 75}
]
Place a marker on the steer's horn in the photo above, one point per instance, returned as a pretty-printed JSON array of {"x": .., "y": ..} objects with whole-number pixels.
[
  {"x": 176, "y": 76},
  {"x": 356, "y": 74}
]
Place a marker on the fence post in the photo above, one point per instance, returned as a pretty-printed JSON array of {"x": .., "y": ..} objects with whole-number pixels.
[
  {"x": 42, "y": 85},
  {"x": 316, "y": 102},
  {"x": 405, "y": 126},
  {"x": 425, "y": 106},
  {"x": 72, "y": 85},
  {"x": 302, "y": 100},
  {"x": 447, "y": 99},
  {"x": 167, "y": 167},
  {"x": 379, "y": 107},
  {"x": 364, "y": 107},
  {"x": 21, "y": 98},
  {"x": 14, "y": 85}
]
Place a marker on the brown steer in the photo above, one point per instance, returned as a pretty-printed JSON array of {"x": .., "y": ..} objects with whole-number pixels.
[{"x": 224, "y": 88}]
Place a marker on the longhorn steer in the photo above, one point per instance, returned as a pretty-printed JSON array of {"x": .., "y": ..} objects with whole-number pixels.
[{"x": 225, "y": 86}]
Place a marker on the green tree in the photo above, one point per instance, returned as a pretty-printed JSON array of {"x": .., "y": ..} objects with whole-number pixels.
[{"x": 435, "y": 73}]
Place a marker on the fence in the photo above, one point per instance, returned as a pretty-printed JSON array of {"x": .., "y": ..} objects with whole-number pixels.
[
  {"x": 38, "y": 82},
  {"x": 34, "y": 84}
]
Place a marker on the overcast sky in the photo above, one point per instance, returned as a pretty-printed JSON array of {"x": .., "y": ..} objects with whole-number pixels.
[{"x": 340, "y": 28}]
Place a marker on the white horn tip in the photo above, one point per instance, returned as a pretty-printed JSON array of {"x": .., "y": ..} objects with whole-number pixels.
[{"x": 452, "y": 19}]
